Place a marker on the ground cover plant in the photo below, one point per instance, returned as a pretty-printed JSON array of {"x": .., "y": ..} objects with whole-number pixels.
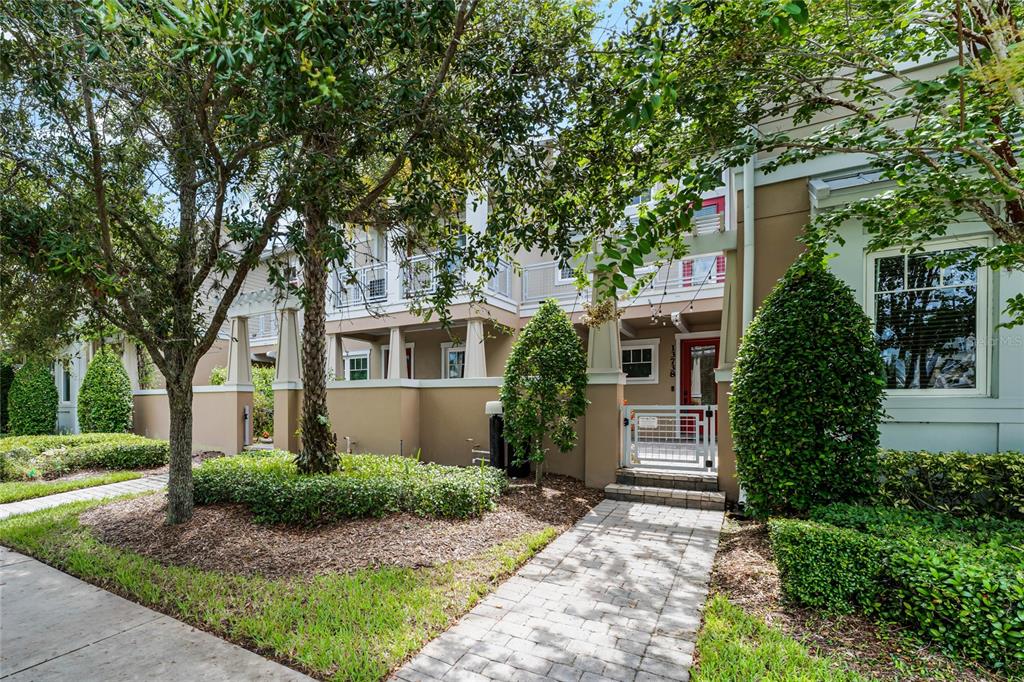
[
  {"x": 13, "y": 491},
  {"x": 364, "y": 623},
  {"x": 745, "y": 573},
  {"x": 44, "y": 457},
  {"x": 737, "y": 646},
  {"x": 270, "y": 485},
  {"x": 958, "y": 581}
]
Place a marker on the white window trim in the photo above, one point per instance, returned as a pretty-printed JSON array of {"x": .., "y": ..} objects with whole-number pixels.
[
  {"x": 982, "y": 331},
  {"x": 654, "y": 345},
  {"x": 356, "y": 354},
  {"x": 559, "y": 279},
  {"x": 450, "y": 346},
  {"x": 412, "y": 360}
]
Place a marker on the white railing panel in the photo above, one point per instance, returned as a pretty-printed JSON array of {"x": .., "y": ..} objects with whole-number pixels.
[
  {"x": 368, "y": 284},
  {"x": 671, "y": 437}
]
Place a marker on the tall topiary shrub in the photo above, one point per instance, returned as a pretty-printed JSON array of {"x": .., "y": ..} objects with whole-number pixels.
[
  {"x": 544, "y": 390},
  {"x": 32, "y": 400},
  {"x": 807, "y": 396},
  {"x": 105, "y": 399},
  {"x": 6, "y": 377}
]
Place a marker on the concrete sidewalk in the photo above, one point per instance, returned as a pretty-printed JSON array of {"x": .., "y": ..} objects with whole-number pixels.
[
  {"x": 56, "y": 627},
  {"x": 99, "y": 492}
]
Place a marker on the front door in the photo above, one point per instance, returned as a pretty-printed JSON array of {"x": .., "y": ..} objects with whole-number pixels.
[{"x": 697, "y": 386}]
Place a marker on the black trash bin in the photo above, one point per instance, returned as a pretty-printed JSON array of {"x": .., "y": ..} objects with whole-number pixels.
[{"x": 501, "y": 453}]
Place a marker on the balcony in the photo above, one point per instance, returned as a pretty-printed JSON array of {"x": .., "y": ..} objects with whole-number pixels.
[{"x": 369, "y": 285}]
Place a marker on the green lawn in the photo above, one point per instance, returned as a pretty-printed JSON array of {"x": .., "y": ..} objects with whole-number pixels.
[
  {"x": 13, "y": 491},
  {"x": 340, "y": 627},
  {"x": 735, "y": 647}
]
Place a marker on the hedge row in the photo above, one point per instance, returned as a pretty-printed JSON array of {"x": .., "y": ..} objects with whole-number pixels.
[
  {"x": 365, "y": 485},
  {"x": 959, "y": 483},
  {"x": 34, "y": 457},
  {"x": 959, "y": 582}
]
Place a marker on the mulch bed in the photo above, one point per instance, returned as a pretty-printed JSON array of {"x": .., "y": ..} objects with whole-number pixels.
[
  {"x": 225, "y": 538},
  {"x": 745, "y": 572}
]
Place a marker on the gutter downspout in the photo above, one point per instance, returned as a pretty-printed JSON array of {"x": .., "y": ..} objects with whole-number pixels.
[{"x": 748, "y": 242}]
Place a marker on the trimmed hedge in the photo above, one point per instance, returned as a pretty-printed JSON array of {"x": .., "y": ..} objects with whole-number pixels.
[
  {"x": 960, "y": 483},
  {"x": 807, "y": 396},
  {"x": 270, "y": 485},
  {"x": 105, "y": 398},
  {"x": 32, "y": 400},
  {"x": 960, "y": 582},
  {"x": 34, "y": 457}
]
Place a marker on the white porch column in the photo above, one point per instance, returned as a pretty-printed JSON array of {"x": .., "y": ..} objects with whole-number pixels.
[
  {"x": 289, "y": 363},
  {"x": 604, "y": 351},
  {"x": 476, "y": 359},
  {"x": 239, "y": 361},
  {"x": 335, "y": 357},
  {"x": 130, "y": 360},
  {"x": 397, "y": 369},
  {"x": 376, "y": 363}
]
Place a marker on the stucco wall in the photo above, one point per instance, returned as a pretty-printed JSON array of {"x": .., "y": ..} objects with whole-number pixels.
[{"x": 216, "y": 418}]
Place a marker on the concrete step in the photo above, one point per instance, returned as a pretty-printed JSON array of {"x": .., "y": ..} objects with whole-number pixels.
[
  {"x": 667, "y": 478},
  {"x": 691, "y": 499}
]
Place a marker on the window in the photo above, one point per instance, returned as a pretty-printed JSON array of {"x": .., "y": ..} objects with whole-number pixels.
[
  {"x": 640, "y": 361},
  {"x": 566, "y": 274},
  {"x": 929, "y": 322},
  {"x": 453, "y": 361},
  {"x": 385, "y": 356},
  {"x": 357, "y": 366}
]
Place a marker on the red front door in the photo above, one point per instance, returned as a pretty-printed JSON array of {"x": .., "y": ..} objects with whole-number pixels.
[{"x": 698, "y": 359}]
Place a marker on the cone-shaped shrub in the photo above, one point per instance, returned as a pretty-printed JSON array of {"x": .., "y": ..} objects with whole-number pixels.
[
  {"x": 105, "y": 399},
  {"x": 807, "y": 396},
  {"x": 32, "y": 401}
]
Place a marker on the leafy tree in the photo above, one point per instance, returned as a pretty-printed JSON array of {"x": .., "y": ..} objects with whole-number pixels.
[
  {"x": 105, "y": 397},
  {"x": 807, "y": 396},
  {"x": 32, "y": 400},
  {"x": 692, "y": 89},
  {"x": 162, "y": 170},
  {"x": 6, "y": 377},
  {"x": 544, "y": 390},
  {"x": 404, "y": 108}
]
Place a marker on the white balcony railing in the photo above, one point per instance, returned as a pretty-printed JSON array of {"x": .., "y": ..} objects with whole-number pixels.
[
  {"x": 501, "y": 282},
  {"x": 368, "y": 284},
  {"x": 709, "y": 224},
  {"x": 545, "y": 280}
]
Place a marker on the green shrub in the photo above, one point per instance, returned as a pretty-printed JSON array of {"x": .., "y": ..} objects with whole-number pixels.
[
  {"x": 6, "y": 377},
  {"x": 218, "y": 376},
  {"x": 34, "y": 457},
  {"x": 836, "y": 569},
  {"x": 270, "y": 485},
  {"x": 544, "y": 390},
  {"x": 105, "y": 398},
  {"x": 956, "y": 482},
  {"x": 807, "y": 396},
  {"x": 32, "y": 401},
  {"x": 960, "y": 582}
]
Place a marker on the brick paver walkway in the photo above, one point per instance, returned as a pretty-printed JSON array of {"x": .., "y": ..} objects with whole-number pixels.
[
  {"x": 138, "y": 485},
  {"x": 617, "y": 597}
]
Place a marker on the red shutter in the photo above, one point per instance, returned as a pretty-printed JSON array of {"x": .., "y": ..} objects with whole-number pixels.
[
  {"x": 687, "y": 273},
  {"x": 720, "y": 269}
]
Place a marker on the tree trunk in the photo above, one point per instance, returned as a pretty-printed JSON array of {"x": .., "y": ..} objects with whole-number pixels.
[
  {"x": 319, "y": 451},
  {"x": 179, "y": 488}
]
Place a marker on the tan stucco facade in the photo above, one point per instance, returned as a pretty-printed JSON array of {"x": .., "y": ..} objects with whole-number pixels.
[{"x": 217, "y": 418}]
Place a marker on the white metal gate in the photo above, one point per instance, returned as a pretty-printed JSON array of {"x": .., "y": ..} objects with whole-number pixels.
[{"x": 670, "y": 437}]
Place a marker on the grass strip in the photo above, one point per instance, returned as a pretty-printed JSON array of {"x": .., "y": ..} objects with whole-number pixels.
[
  {"x": 14, "y": 491},
  {"x": 735, "y": 647},
  {"x": 339, "y": 627}
]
